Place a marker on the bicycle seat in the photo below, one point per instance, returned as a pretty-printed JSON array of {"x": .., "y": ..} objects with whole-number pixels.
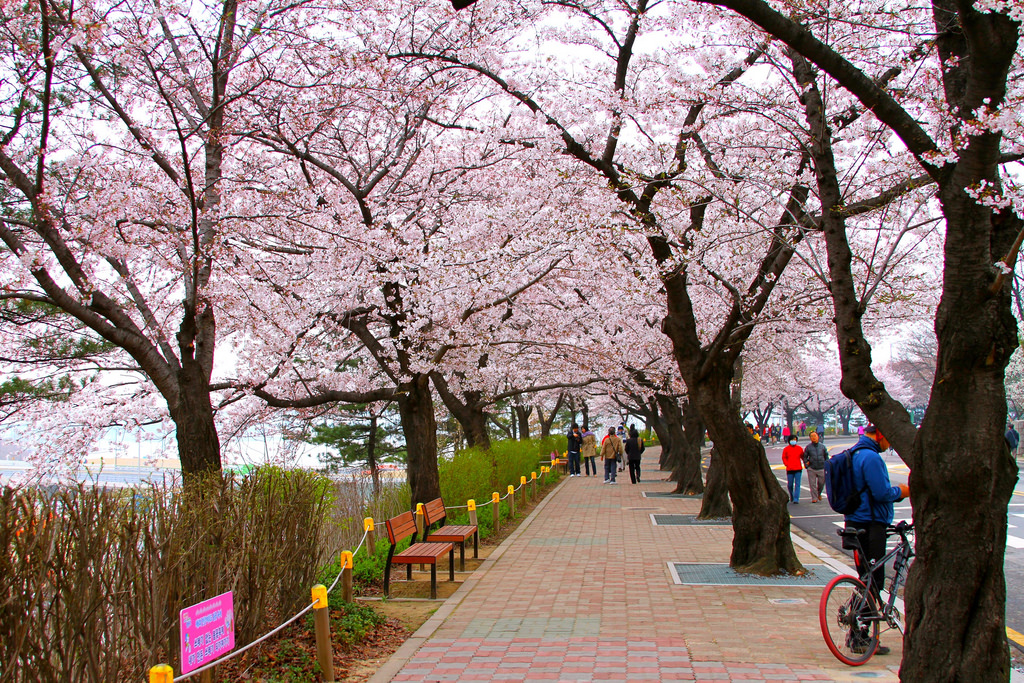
[{"x": 851, "y": 538}]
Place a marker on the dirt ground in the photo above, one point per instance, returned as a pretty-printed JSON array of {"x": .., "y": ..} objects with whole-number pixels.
[{"x": 291, "y": 656}]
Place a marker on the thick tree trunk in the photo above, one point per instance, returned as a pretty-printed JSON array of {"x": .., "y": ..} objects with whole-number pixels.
[
  {"x": 958, "y": 497},
  {"x": 416, "y": 408},
  {"x": 693, "y": 429},
  {"x": 192, "y": 412},
  {"x": 761, "y": 541},
  {"x": 686, "y": 470},
  {"x": 195, "y": 429},
  {"x": 715, "y": 504}
]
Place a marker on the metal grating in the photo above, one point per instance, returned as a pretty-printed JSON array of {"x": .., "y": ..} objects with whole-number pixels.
[
  {"x": 688, "y": 520},
  {"x": 707, "y": 574},
  {"x": 669, "y": 494}
]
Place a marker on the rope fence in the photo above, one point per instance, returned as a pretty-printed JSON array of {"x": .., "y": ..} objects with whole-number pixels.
[{"x": 164, "y": 673}]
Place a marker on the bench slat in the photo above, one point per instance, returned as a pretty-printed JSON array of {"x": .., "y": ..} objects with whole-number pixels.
[
  {"x": 452, "y": 533},
  {"x": 422, "y": 553},
  {"x": 400, "y": 527}
]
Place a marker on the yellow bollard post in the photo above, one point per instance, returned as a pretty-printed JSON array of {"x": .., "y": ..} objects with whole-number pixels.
[
  {"x": 322, "y": 628},
  {"x": 495, "y": 508},
  {"x": 511, "y": 501},
  {"x": 533, "y": 485},
  {"x": 371, "y": 541},
  {"x": 522, "y": 487},
  {"x": 161, "y": 673},
  {"x": 471, "y": 509},
  {"x": 421, "y": 529},
  {"x": 346, "y": 575}
]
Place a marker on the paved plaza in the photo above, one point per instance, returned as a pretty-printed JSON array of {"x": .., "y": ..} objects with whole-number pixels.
[{"x": 602, "y": 582}]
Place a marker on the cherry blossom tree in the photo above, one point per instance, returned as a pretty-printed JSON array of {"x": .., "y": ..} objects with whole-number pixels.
[
  {"x": 959, "y": 125},
  {"x": 119, "y": 177}
]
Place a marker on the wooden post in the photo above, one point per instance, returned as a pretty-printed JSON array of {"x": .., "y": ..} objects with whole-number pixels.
[
  {"x": 322, "y": 627},
  {"x": 421, "y": 529},
  {"x": 522, "y": 487},
  {"x": 346, "y": 575},
  {"x": 533, "y": 485},
  {"x": 496, "y": 509},
  {"x": 511, "y": 501},
  {"x": 207, "y": 676},
  {"x": 371, "y": 541},
  {"x": 161, "y": 673},
  {"x": 471, "y": 509}
]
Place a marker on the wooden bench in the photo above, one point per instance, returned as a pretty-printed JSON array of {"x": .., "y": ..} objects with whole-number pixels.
[
  {"x": 403, "y": 526},
  {"x": 434, "y": 513}
]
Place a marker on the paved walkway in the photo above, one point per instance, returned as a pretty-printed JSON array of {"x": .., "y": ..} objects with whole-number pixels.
[{"x": 584, "y": 590}]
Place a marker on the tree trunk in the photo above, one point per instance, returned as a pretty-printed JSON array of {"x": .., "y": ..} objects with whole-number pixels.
[
  {"x": 522, "y": 414},
  {"x": 685, "y": 467},
  {"x": 192, "y": 412},
  {"x": 761, "y": 541},
  {"x": 586, "y": 416},
  {"x": 195, "y": 429},
  {"x": 715, "y": 504},
  {"x": 416, "y": 408},
  {"x": 693, "y": 429},
  {"x": 844, "y": 418}
]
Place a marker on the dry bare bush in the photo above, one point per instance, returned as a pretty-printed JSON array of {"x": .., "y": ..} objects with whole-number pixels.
[{"x": 91, "y": 580}]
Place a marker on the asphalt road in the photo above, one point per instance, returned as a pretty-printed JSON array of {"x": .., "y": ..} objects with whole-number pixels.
[{"x": 818, "y": 520}]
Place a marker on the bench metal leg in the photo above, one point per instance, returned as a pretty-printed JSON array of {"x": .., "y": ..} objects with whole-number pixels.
[
  {"x": 462, "y": 556},
  {"x": 476, "y": 544},
  {"x": 387, "y": 578},
  {"x": 433, "y": 581},
  {"x": 451, "y": 564},
  {"x": 408, "y": 572}
]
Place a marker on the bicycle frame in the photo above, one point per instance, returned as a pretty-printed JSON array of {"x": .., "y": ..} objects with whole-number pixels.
[{"x": 901, "y": 555}]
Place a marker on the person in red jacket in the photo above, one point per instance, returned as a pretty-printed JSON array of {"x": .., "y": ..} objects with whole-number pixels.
[{"x": 793, "y": 460}]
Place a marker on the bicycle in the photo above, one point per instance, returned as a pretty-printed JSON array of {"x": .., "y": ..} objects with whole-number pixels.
[{"x": 849, "y": 612}]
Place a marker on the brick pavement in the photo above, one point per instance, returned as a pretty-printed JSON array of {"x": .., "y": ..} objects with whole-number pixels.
[{"x": 582, "y": 591}]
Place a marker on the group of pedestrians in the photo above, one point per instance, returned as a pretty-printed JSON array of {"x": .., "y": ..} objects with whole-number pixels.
[
  {"x": 615, "y": 447},
  {"x": 812, "y": 458}
]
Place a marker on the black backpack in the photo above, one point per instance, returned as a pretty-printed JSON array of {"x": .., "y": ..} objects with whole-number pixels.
[{"x": 839, "y": 486}]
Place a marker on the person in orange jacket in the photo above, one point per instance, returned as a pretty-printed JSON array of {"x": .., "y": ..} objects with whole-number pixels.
[{"x": 792, "y": 458}]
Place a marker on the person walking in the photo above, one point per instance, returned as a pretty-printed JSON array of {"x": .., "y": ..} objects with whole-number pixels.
[
  {"x": 621, "y": 433},
  {"x": 611, "y": 452},
  {"x": 634, "y": 447},
  {"x": 589, "y": 451},
  {"x": 875, "y": 512},
  {"x": 573, "y": 450},
  {"x": 1012, "y": 438},
  {"x": 815, "y": 456},
  {"x": 791, "y": 458}
]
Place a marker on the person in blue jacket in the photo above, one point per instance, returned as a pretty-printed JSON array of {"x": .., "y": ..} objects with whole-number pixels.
[{"x": 875, "y": 513}]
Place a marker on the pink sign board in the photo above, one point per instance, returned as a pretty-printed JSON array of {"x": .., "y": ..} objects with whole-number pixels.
[{"x": 207, "y": 631}]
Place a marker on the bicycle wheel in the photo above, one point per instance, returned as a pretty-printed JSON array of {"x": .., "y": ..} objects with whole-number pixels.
[{"x": 849, "y": 621}]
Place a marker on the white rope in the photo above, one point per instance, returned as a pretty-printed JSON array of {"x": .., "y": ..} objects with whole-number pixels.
[
  {"x": 253, "y": 644},
  {"x": 338, "y": 577},
  {"x": 264, "y": 637}
]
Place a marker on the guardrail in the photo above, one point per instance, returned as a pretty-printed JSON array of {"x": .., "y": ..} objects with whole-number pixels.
[{"x": 164, "y": 673}]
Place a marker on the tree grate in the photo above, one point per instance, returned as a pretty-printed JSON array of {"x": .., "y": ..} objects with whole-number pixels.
[
  {"x": 688, "y": 520},
  {"x": 714, "y": 574},
  {"x": 669, "y": 494}
]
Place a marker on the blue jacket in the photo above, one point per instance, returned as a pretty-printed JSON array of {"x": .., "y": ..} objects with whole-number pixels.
[{"x": 879, "y": 495}]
